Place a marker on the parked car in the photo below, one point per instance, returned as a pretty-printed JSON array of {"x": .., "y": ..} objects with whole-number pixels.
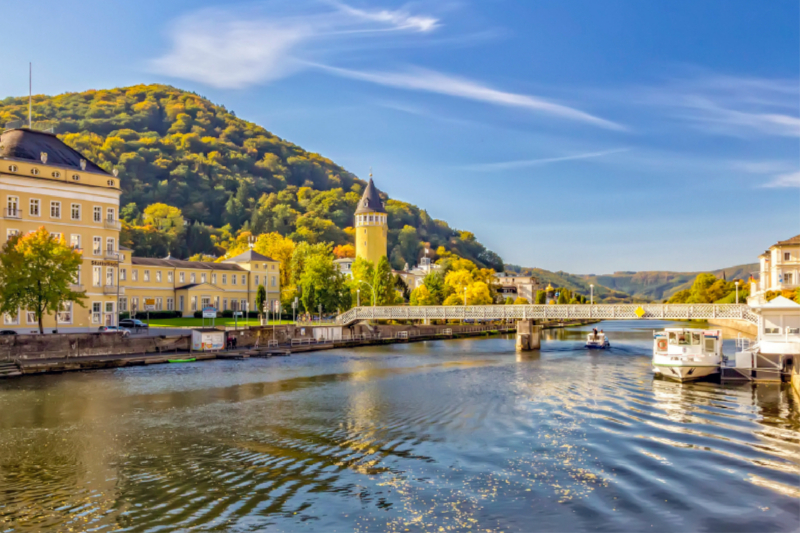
[
  {"x": 132, "y": 323},
  {"x": 9, "y": 332},
  {"x": 114, "y": 329}
]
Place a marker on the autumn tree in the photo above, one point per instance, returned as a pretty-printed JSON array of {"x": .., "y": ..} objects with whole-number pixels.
[{"x": 37, "y": 272}]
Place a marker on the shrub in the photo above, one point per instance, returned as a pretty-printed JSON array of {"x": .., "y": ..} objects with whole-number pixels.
[{"x": 142, "y": 315}]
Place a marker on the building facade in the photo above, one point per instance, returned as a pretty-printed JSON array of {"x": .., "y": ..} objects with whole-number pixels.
[
  {"x": 371, "y": 224},
  {"x": 44, "y": 182},
  {"x": 780, "y": 266},
  {"x": 509, "y": 285}
]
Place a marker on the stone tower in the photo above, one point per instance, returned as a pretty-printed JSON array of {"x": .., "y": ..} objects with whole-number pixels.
[{"x": 371, "y": 225}]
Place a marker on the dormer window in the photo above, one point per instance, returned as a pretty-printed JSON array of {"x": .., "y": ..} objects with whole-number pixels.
[
  {"x": 110, "y": 183},
  {"x": 35, "y": 171},
  {"x": 56, "y": 174},
  {"x": 76, "y": 177},
  {"x": 12, "y": 168}
]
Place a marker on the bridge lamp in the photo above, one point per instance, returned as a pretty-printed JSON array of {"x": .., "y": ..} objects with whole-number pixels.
[
  {"x": 358, "y": 297},
  {"x": 737, "y": 291},
  {"x": 465, "y": 295}
]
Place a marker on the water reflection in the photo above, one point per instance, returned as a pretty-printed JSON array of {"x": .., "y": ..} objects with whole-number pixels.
[{"x": 462, "y": 434}]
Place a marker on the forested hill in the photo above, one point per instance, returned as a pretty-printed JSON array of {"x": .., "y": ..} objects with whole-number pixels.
[
  {"x": 226, "y": 174},
  {"x": 631, "y": 286}
]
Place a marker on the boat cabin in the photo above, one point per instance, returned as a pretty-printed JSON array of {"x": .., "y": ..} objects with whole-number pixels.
[{"x": 687, "y": 341}]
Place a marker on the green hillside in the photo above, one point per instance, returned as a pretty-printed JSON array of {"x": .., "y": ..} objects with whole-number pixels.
[
  {"x": 225, "y": 174},
  {"x": 631, "y": 286}
]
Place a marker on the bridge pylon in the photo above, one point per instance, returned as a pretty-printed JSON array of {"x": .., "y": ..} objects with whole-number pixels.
[{"x": 529, "y": 336}]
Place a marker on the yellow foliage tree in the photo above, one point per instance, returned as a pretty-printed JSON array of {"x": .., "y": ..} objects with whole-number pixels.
[{"x": 521, "y": 301}]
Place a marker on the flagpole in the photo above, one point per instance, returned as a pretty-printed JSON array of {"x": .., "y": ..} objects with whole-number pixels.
[{"x": 30, "y": 95}]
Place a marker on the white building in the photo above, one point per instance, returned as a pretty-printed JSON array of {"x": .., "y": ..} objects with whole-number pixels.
[
  {"x": 780, "y": 266},
  {"x": 413, "y": 277},
  {"x": 510, "y": 285}
]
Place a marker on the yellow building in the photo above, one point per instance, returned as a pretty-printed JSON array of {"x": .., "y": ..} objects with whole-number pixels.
[
  {"x": 44, "y": 182},
  {"x": 189, "y": 286},
  {"x": 372, "y": 229}
]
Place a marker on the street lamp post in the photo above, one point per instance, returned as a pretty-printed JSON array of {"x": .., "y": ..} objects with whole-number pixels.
[
  {"x": 591, "y": 294},
  {"x": 374, "y": 297},
  {"x": 737, "y": 291},
  {"x": 465, "y": 295},
  {"x": 358, "y": 297}
]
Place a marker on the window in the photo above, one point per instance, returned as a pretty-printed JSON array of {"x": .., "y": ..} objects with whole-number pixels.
[
  {"x": 224, "y": 304},
  {"x": 193, "y": 277},
  {"x": 55, "y": 236},
  {"x": 30, "y": 317},
  {"x": 180, "y": 304},
  {"x": 96, "y": 312},
  {"x": 216, "y": 302},
  {"x": 772, "y": 331},
  {"x": 75, "y": 241},
  {"x": 110, "y": 245},
  {"x": 76, "y": 212},
  {"x": 787, "y": 256},
  {"x": 12, "y": 168},
  {"x": 159, "y": 304},
  {"x": 170, "y": 276},
  {"x": 97, "y": 273},
  {"x": 182, "y": 277},
  {"x": 147, "y": 275},
  {"x": 10, "y": 320},
  {"x": 233, "y": 279},
  {"x": 35, "y": 171},
  {"x": 202, "y": 278},
  {"x": 97, "y": 214},
  {"x": 243, "y": 305},
  {"x": 224, "y": 279},
  {"x": 11, "y": 232},
  {"x": 65, "y": 315},
  {"x": 12, "y": 206},
  {"x": 135, "y": 274},
  {"x": 55, "y": 209},
  {"x": 170, "y": 304},
  {"x": 110, "y": 276},
  {"x": 123, "y": 304},
  {"x": 214, "y": 279},
  {"x": 256, "y": 280},
  {"x": 109, "y": 307},
  {"x": 75, "y": 177},
  {"x": 56, "y": 174},
  {"x": 34, "y": 208},
  {"x": 787, "y": 278},
  {"x": 97, "y": 244},
  {"x": 123, "y": 274},
  {"x": 111, "y": 214},
  {"x": 134, "y": 304},
  {"x": 194, "y": 303},
  {"x": 274, "y": 281},
  {"x": 158, "y": 276},
  {"x": 205, "y": 301}
]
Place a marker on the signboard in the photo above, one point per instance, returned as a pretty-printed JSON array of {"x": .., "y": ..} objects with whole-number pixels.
[
  {"x": 149, "y": 304},
  {"x": 237, "y": 313},
  {"x": 209, "y": 312},
  {"x": 206, "y": 341},
  {"x": 276, "y": 306}
]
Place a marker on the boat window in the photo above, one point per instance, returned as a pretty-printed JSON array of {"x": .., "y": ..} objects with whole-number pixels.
[
  {"x": 695, "y": 339},
  {"x": 683, "y": 339},
  {"x": 709, "y": 345},
  {"x": 673, "y": 337}
]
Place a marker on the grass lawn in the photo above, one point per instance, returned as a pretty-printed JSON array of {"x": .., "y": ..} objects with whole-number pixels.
[{"x": 196, "y": 322}]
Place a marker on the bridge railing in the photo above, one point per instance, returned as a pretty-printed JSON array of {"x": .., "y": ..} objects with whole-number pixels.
[{"x": 551, "y": 312}]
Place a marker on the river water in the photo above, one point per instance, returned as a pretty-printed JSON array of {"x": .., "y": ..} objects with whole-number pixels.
[{"x": 436, "y": 436}]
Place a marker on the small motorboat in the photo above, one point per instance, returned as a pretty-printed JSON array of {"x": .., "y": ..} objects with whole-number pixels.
[
  {"x": 685, "y": 354},
  {"x": 597, "y": 341}
]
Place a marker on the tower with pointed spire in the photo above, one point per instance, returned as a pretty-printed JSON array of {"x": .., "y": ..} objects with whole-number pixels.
[{"x": 372, "y": 229}]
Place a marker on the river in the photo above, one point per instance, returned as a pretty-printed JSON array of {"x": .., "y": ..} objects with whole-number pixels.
[{"x": 435, "y": 436}]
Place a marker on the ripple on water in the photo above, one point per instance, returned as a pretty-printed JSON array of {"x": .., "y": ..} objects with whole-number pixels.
[{"x": 458, "y": 435}]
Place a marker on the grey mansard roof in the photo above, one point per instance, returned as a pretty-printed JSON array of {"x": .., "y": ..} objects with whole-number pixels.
[{"x": 24, "y": 144}]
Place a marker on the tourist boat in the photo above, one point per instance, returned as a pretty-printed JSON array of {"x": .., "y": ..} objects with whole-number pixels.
[
  {"x": 597, "y": 341},
  {"x": 685, "y": 354}
]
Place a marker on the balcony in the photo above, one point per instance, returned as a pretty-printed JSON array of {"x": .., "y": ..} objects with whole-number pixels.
[
  {"x": 110, "y": 253},
  {"x": 77, "y": 287},
  {"x": 11, "y": 212},
  {"x": 112, "y": 289},
  {"x": 110, "y": 223}
]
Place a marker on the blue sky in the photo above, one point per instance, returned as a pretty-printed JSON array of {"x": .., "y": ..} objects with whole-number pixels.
[{"x": 585, "y": 136}]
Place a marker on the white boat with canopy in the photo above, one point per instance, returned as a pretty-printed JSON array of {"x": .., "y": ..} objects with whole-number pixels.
[{"x": 685, "y": 354}]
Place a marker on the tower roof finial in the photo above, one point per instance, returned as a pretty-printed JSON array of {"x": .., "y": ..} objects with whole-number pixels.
[{"x": 370, "y": 172}]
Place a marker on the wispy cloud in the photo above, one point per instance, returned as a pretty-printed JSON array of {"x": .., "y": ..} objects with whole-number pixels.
[
  {"x": 791, "y": 179},
  {"x": 234, "y": 51},
  {"x": 436, "y": 82},
  {"x": 730, "y": 105},
  {"x": 508, "y": 165}
]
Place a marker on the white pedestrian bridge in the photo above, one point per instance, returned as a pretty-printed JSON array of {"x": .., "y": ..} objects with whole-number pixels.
[{"x": 551, "y": 312}]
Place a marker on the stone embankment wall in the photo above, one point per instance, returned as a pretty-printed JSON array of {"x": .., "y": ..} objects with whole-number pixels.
[
  {"x": 68, "y": 345},
  {"x": 739, "y": 325}
]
